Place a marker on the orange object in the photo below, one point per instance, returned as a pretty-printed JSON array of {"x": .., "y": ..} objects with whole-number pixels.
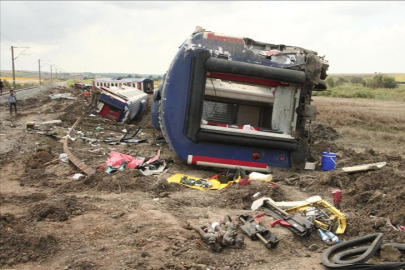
[{"x": 86, "y": 93}]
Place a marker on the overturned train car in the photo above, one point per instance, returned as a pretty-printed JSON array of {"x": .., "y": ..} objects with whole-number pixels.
[
  {"x": 121, "y": 104},
  {"x": 234, "y": 102}
]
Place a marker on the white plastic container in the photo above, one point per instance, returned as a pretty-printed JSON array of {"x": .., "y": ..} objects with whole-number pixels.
[{"x": 261, "y": 176}]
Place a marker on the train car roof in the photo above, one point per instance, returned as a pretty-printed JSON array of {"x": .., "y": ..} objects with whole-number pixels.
[{"x": 121, "y": 79}]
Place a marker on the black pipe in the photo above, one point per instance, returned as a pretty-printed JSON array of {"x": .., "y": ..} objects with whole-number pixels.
[
  {"x": 255, "y": 70},
  {"x": 360, "y": 261}
]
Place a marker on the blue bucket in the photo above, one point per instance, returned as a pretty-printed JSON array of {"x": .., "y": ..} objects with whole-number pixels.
[{"x": 328, "y": 161}]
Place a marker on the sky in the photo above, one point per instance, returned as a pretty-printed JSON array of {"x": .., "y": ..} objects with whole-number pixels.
[{"x": 143, "y": 37}]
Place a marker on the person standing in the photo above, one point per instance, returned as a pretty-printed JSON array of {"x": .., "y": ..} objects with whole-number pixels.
[
  {"x": 1, "y": 87},
  {"x": 12, "y": 100}
]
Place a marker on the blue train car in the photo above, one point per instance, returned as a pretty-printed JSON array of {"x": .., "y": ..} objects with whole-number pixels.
[{"x": 234, "y": 102}]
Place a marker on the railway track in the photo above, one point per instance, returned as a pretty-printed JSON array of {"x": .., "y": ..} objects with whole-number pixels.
[{"x": 17, "y": 90}]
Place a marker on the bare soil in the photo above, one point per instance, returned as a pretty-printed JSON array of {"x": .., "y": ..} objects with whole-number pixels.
[{"x": 129, "y": 221}]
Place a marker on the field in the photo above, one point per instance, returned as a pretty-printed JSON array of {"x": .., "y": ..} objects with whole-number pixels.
[
  {"x": 20, "y": 80},
  {"x": 399, "y": 77},
  {"x": 349, "y": 90},
  {"x": 129, "y": 221},
  {"x": 365, "y": 123}
]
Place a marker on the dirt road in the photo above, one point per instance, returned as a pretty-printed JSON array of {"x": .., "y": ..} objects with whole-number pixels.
[{"x": 130, "y": 221}]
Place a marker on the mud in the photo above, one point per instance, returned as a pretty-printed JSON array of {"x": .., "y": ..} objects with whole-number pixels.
[
  {"x": 380, "y": 193},
  {"x": 57, "y": 209},
  {"x": 325, "y": 133},
  {"x": 20, "y": 244}
]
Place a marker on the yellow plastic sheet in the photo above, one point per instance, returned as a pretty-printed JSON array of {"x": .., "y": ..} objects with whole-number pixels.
[{"x": 214, "y": 182}]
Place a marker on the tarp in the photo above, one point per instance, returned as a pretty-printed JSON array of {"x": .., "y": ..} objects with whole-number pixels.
[{"x": 215, "y": 184}]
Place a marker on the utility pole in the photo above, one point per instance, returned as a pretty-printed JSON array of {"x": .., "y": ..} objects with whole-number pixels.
[
  {"x": 56, "y": 73},
  {"x": 51, "y": 74},
  {"x": 12, "y": 60},
  {"x": 39, "y": 70}
]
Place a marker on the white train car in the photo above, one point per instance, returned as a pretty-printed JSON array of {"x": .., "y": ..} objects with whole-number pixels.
[{"x": 143, "y": 84}]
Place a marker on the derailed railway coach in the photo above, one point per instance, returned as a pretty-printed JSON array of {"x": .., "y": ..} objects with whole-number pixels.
[{"x": 235, "y": 102}]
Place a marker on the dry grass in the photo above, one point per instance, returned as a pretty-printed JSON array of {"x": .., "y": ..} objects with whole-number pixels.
[
  {"x": 19, "y": 79},
  {"x": 156, "y": 84},
  {"x": 365, "y": 123}
]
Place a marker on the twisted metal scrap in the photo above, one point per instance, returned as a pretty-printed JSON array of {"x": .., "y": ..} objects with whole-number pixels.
[{"x": 78, "y": 163}]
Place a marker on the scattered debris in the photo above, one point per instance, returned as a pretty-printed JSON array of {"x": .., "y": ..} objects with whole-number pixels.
[
  {"x": 125, "y": 139},
  {"x": 252, "y": 228},
  {"x": 365, "y": 167},
  {"x": 86, "y": 169},
  {"x": 218, "y": 235},
  {"x": 51, "y": 122},
  {"x": 301, "y": 225},
  {"x": 323, "y": 214},
  {"x": 62, "y": 96},
  {"x": 260, "y": 176},
  {"x": 64, "y": 158},
  {"x": 77, "y": 176}
]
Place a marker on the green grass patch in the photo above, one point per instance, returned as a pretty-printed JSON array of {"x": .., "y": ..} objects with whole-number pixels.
[
  {"x": 349, "y": 90},
  {"x": 71, "y": 83}
]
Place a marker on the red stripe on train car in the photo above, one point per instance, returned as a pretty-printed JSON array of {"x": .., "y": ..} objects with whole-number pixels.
[
  {"x": 195, "y": 159},
  {"x": 225, "y": 38},
  {"x": 246, "y": 79}
]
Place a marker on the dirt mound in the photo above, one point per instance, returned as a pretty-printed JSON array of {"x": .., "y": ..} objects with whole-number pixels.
[
  {"x": 162, "y": 188},
  {"x": 31, "y": 198},
  {"x": 322, "y": 132},
  {"x": 241, "y": 197},
  {"x": 122, "y": 181},
  {"x": 35, "y": 173},
  {"x": 19, "y": 245},
  {"x": 83, "y": 265},
  {"x": 58, "y": 209},
  {"x": 379, "y": 193},
  {"x": 73, "y": 111},
  {"x": 37, "y": 160}
]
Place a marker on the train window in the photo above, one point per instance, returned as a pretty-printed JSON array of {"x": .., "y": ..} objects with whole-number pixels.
[{"x": 148, "y": 86}]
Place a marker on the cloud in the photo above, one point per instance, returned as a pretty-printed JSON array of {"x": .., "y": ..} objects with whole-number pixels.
[{"x": 143, "y": 37}]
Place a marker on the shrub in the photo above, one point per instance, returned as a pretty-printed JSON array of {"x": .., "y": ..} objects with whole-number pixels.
[
  {"x": 356, "y": 80},
  {"x": 389, "y": 82},
  {"x": 380, "y": 81},
  {"x": 340, "y": 81},
  {"x": 6, "y": 84},
  {"x": 330, "y": 82},
  {"x": 364, "y": 94}
]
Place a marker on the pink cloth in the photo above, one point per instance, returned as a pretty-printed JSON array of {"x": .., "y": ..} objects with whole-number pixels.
[
  {"x": 135, "y": 163},
  {"x": 116, "y": 159}
]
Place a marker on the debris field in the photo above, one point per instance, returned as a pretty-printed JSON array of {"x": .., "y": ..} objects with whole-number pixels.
[{"x": 128, "y": 220}]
